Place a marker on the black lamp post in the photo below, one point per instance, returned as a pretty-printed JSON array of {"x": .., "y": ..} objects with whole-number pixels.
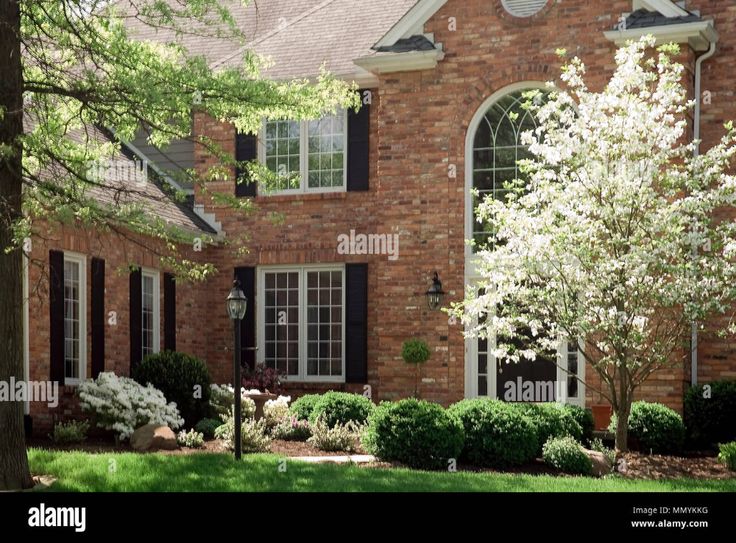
[
  {"x": 435, "y": 293},
  {"x": 237, "y": 304}
]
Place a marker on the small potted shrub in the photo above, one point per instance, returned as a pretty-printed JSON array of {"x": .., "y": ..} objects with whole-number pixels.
[
  {"x": 262, "y": 384},
  {"x": 415, "y": 352}
]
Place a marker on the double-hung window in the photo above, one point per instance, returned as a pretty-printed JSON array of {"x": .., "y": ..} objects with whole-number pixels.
[
  {"x": 571, "y": 373},
  {"x": 309, "y": 156},
  {"x": 302, "y": 317},
  {"x": 75, "y": 318},
  {"x": 150, "y": 313}
]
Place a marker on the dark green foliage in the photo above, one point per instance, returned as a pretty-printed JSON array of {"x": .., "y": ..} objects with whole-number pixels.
[
  {"x": 550, "y": 420},
  {"x": 584, "y": 417},
  {"x": 566, "y": 454},
  {"x": 207, "y": 427},
  {"x": 657, "y": 428},
  {"x": 710, "y": 414},
  {"x": 415, "y": 351},
  {"x": 414, "y": 432},
  {"x": 183, "y": 379},
  {"x": 496, "y": 433},
  {"x": 341, "y": 408},
  {"x": 302, "y": 407}
]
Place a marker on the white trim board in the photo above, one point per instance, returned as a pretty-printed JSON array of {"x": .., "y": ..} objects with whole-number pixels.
[
  {"x": 699, "y": 34},
  {"x": 401, "y": 62},
  {"x": 412, "y": 22},
  {"x": 81, "y": 260},
  {"x": 665, "y": 7}
]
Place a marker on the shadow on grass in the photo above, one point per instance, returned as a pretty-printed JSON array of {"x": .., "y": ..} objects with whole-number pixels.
[{"x": 129, "y": 472}]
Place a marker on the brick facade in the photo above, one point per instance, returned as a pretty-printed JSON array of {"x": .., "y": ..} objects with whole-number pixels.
[{"x": 419, "y": 124}]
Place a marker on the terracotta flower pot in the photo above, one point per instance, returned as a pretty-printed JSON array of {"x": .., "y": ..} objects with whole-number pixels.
[{"x": 601, "y": 416}]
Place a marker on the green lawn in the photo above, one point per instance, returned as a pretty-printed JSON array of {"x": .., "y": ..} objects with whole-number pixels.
[{"x": 128, "y": 472}]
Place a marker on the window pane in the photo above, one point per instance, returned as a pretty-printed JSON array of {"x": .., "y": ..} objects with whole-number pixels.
[
  {"x": 324, "y": 323},
  {"x": 72, "y": 335},
  {"x": 281, "y": 306},
  {"x": 496, "y": 151},
  {"x": 326, "y": 146},
  {"x": 147, "y": 315},
  {"x": 282, "y": 152}
]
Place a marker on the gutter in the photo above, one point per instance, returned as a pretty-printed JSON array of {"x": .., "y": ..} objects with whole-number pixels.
[{"x": 696, "y": 139}]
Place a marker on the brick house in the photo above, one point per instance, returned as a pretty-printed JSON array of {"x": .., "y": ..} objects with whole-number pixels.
[{"x": 440, "y": 80}]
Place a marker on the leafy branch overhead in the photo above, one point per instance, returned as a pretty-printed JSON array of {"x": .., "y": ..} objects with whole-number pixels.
[{"x": 91, "y": 79}]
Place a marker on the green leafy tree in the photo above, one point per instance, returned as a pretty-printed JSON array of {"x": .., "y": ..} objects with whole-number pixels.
[{"x": 71, "y": 73}]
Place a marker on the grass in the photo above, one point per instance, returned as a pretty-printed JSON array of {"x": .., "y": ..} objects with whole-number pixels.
[{"x": 129, "y": 472}]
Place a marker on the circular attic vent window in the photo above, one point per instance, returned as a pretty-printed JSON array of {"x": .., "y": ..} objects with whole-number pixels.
[{"x": 523, "y": 8}]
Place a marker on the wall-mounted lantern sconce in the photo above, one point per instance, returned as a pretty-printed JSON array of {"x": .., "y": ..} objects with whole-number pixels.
[{"x": 435, "y": 293}]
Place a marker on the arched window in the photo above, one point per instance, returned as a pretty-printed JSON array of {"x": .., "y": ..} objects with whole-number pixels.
[{"x": 496, "y": 149}]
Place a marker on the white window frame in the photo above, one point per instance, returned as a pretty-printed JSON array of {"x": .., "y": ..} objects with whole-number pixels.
[
  {"x": 81, "y": 261},
  {"x": 302, "y": 376},
  {"x": 563, "y": 374},
  {"x": 304, "y": 160},
  {"x": 153, "y": 274}
]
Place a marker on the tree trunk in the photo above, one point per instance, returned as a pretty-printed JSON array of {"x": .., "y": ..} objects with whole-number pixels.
[
  {"x": 14, "y": 472},
  {"x": 622, "y": 427}
]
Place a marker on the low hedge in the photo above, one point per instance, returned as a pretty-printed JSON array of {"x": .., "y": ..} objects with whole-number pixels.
[
  {"x": 414, "y": 432},
  {"x": 550, "y": 420},
  {"x": 341, "y": 408},
  {"x": 496, "y": 433},
  {"x": 710, "y": 414},
  {"x": 178, "y": 376},
  {"x": 584, "y": 417},
  {"x": 566, "y": 454},
  {"x": 657, "y": 428},
  {"x": 303, "y": 406}
]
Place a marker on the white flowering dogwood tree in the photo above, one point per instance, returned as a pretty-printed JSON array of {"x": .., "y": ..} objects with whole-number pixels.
[{"x": 616, "y": 237}]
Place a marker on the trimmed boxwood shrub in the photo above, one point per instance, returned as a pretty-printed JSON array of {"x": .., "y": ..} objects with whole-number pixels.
[
  {"x": 655, "y": 426},
  {"x": 302, "y": 407},
  {"x": 496, "y": 433},
  {"x": 341, "y": 408},
  {"x": 414, "y": 432},
  {"x": 584, "y": 417},
  {"x": 710, "y": 418},
  {"x": 566, "y": 454},
  {"x": 550, "y": 420},
  {"x": 176, "y": 375},
  {"x": 207, "y": 427}
]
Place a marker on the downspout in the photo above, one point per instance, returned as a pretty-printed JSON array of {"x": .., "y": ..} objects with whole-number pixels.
[{"x": 696, "y": 137}]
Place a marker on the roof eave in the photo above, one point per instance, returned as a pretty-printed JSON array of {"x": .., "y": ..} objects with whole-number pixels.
[
  {"x": 699, "y": 34},
  {"x": 401, "y": 62},
  {"x": 411, "y": 23}
]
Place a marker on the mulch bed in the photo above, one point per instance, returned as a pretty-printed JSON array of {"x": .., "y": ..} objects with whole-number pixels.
[{"x": 635, "y": 465}]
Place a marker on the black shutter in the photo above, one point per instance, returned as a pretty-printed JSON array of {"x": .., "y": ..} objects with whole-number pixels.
[
  {"x": 358, "y": 146},
  {"x": 98, "y": 317},
  {"x": 56, "y": 314},
  {"x": 246, "y": 149},
  {"x": 169, "y": 312},
  {"x": 356, "y": 323},
  {"x": 136, "y": 316},
  {"x": 247, "y": 278}
]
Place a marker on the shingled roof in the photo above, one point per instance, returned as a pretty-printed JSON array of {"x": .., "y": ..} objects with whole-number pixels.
[
  {"x": 152, "y": 194},
  {"x": 643, "y": 18},
  {"x": 297, "y": 36}
]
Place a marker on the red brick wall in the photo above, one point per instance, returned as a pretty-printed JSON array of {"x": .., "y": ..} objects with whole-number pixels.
[
  {"x": 118, "y": 254},
  {"x": 419, "y": 124},
  {"x": 418, "y": 129}
]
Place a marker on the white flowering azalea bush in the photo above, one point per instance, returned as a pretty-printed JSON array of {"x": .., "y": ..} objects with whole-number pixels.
[
  {"x": 121, "y": 404},
  {"x": 274, "y": 411},
  {"x": 222, "y": 399},
  {"x": 614, "y": 236}
]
